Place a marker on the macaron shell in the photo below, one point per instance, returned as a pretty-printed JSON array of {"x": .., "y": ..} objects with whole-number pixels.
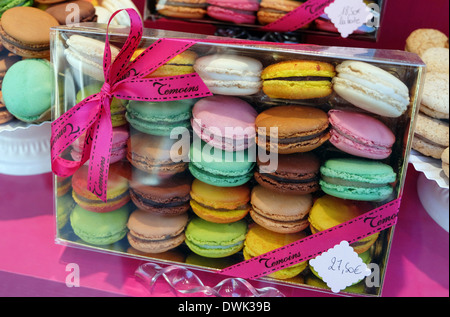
[
  {"x": 214, "y": 240},
  {"x": 292, "y": 122},
  {"x": 295, "y": 174},
  {"x": 230, "y": 74},
  {"x": 184, "y": 9},
  {"x": 35, "y": 77},
  {"x": 280, "y": 81},
  {"x": 221, "y": 168},
  {"x": 155, "y": 233},
  {"x": 99, "y": 228},
  {"x": 357, "y": 179},
  {"x": 220, "y": 197},
  {"x": 168, "y": 196},
  {"x": 30, "y": 39},
  {"x": 272, "y": 10},
  {"x": 371, "y": 88},
  {"x": 280, "y": 212},
  {"x": 157, "y": 155},
  {"x": 117, "y": 189},
  {"x": 328, "y": 212},
  {"x": 85, "y": 54},
  {"x": 223, "y": 13},
  {"x": 220, "y": 204},
  {"x": 360, "y": 135},
  {"x": 225, "y": 122},
  {"x": 160, "y": 118}
]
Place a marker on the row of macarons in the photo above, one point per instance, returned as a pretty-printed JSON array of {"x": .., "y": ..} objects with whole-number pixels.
[
  {"x": 360, "y": 84},
  {"x": 347, "y": 177},
  {"x": 152, "y": 232},
  {"x": 242, "y": 12}
]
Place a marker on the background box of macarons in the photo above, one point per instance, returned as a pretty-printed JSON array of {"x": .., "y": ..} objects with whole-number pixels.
[
  {"x": 344, "y": 117},
  {"x": 243, "y": 18}
]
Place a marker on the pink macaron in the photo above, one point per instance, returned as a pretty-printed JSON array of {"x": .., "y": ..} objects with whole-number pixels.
[
  {"x": 119, "y": 145},
  {"x": 225, "y": 122},
  {"x": 236, "y": 11},
  {"x": 360, "y": 134}
]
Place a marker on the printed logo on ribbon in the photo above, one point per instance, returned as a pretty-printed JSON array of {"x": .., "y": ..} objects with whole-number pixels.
[{"x": 312, "y": 246}]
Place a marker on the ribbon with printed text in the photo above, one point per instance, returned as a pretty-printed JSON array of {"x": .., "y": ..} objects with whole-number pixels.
[{"x": 123, "y": 80}]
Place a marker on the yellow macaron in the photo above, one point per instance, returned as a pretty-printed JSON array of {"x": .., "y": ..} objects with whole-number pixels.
[
  {"x": 260, "y": 241},
  {"x": 329, "y": 211}
]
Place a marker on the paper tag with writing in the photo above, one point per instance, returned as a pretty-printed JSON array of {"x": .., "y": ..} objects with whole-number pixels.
[
  {"x": 348, "y": 15},
  {"x": 340, "y": 267}
]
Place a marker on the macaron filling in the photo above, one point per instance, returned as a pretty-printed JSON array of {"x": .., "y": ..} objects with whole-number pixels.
[
  {"x": 241, "y": 207},
  {"x": 100, "y": 202},
  {"x": 349, "y": 183},
  {"x": 302, "y": 78},
  {"x": 181, "y": 4},
  {"x": 173, "y": 202},
  {"x": 291, "y": 180}
]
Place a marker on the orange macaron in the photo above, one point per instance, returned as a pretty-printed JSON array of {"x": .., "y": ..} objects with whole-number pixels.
[{"x": 220, "y": 204}]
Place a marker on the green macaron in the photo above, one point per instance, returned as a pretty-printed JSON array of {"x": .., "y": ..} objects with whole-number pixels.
[
  {"x": 27, "y": 90},
  {"x": 221, "y": 168},
  {"x": 159, "y": 118},
  {"x": 100, "y": 228},
  {"x": 118, "y": 106},
  {"x": 8, "y": 4},
  {"x": 64, "y": 208},
  {"x": 215, "y": 240},
  {"x": 357, "y": 179}
]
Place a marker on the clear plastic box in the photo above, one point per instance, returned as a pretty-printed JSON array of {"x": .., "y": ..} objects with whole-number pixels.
[{"x": 69, "y": 81}]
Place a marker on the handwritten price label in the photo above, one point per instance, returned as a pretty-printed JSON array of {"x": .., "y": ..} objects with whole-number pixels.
[
  {"x": 348, "y": 15},
  {"x": 340, "y": 267}
]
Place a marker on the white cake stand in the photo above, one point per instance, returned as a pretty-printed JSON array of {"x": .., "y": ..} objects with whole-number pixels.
[
  {"x": 25, "y": 148},
  {"x": 435, "y": 200}
]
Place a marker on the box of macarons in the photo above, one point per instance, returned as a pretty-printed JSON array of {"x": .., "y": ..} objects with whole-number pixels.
[
  {"x": 254, "y": 160},
  {"x": 277, "y": 20}
]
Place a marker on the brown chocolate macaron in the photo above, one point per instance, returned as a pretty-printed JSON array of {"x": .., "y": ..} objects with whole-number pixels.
[
  {"x": 25, "y": 31},
  {"x": 279, "y": 212},
  {"x": 292, "y": 129},
  {"x": 167, "y": 196},
  {"x": 296, "y": 174},
  {"x": 65, "y": 12}
]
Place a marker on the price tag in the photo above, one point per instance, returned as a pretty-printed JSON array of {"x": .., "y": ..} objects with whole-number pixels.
[
  {"x": 348, "y": 15},
  {"x": 340, "y": 267}
]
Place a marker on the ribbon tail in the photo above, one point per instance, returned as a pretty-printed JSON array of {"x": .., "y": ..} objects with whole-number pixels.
[
  {"x": 68, "y": 128},
  {"x": 100, "y": 154}
]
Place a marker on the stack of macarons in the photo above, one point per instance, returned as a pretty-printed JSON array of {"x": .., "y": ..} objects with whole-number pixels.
[
  {"x": 432, "y": 129},
  {"x": 96, "y": 222}
]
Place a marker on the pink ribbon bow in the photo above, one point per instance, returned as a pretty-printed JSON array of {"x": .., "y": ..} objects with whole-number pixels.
[{"x": 123, "y": 80}]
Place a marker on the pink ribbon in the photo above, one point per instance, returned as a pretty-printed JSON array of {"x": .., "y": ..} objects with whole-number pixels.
[
  {"x": 301, "y": 16},
  {"x": 312, "y": 246},
  {"x": 123, "y": 80}
]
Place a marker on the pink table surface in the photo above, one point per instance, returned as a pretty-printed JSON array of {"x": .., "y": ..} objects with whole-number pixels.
[{"x": 31, "y": 264}]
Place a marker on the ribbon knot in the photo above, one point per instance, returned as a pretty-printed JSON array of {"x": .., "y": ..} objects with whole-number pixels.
[
  {"x": 106, "y": 90},
  {"x": 93, "y": 115}
]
